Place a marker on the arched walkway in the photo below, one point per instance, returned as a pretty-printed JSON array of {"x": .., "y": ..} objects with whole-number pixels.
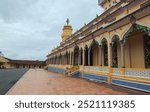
[
  {"x": 104, "y": 52},
  {"x": 76, "y": 55},
  {"x": 81, "y": 56},
  {"x": 116, "y": 52},
  {"x": 86, "y": 56},
  {"x": 94, "y": 54},
  {"x": 137, "y": 47}
]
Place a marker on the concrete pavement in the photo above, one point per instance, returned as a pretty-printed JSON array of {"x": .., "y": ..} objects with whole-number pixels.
[{"x": 41, "y": 82}]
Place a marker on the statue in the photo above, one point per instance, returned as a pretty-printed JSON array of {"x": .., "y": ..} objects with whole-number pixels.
[{"x": 67, "y": 21}]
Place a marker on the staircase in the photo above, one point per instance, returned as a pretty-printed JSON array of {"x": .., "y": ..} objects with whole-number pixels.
[{"x": 72, "y": 70}]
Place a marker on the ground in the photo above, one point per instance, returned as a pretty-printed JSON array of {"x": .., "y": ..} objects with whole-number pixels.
[
  {"x": 42, "y": 82},
  {"x": 8, "y": 77}
]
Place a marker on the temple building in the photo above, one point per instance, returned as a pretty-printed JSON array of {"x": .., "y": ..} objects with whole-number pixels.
[
  {"x": 113, "y": 48},
  {"x": 6, "y": 63}
]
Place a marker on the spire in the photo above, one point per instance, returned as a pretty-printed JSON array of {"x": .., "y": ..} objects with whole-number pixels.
[
  {"x": 68, "y": 21},
  {"x": 67, "y": 30}
]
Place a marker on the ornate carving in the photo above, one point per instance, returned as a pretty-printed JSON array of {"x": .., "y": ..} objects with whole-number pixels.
[{"x": 132, "y": 20}]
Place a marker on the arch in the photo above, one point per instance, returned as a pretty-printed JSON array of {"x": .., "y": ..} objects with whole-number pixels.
[
  {"x": 94, "y": 53},
  {"x": 115, "y": 51},
  {"x": 135, "y": 41},
  {"x": 103, "y": 41},
  {"x": 76, "y": 55},
  {"x": 115, "y": 38},
  {"x": 134, "y": 28},
  {"x": 92, "y": 43},
  {"x": 104, "y": 44},
  {"x": 115, "y": 34}
]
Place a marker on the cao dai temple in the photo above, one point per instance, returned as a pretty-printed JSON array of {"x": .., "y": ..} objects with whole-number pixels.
[{"x": 113, "y": 48}]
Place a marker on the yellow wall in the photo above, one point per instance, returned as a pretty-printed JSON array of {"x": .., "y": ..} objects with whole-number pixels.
[
  {"x": 134, "y": 51},
  {"x": 96, "y": 56}
]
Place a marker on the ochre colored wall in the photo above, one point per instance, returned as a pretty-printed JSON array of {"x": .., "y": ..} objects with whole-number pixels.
[
  {"x": 134, "y": 51},
  {"x": 96, "y": 56}
]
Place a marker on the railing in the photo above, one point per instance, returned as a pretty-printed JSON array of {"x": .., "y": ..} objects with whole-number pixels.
[
  {"x": 116, "y": 71},
  {"x": 128, "y": 72},
  {"x": 142, "y": 73},
  {"x": 96, "y": 69}
]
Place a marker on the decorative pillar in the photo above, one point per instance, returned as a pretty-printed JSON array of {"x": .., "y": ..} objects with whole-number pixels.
[
  {"x": 89, "y": 57},
  {"x": 109, "y": 62},
  {"x": 70, "y": 58},
  {"x": 122, "y": 55},
  {"x": 73, "y": 59},
  {"x": 122, "y": 58},
  {"x": 62, "y": 59}
]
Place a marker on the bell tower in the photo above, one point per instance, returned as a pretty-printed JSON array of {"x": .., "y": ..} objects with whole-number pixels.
[{"x": 67, "y": 31}]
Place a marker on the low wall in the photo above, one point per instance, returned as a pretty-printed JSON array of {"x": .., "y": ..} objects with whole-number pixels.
[
  {"x": 124, "y": 81},
  {"x": 132, "y": 84},
  {"x": 56, "y": 70}
]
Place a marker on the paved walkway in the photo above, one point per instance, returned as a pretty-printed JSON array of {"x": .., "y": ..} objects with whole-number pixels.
[
  {"x": 41, "y": 82},
  {"x": 8, "y": 77}
]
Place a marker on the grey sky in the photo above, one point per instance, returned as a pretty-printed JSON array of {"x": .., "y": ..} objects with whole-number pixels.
[{"x": 30, "y": 29}]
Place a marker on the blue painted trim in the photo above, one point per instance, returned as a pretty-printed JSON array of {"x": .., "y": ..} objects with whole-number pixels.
[
  {"x": 77, "y": 74},
  {"x": 95, "y": 77},
  {"x": 56, "y": 70},
  {"x": 133, "y": 85}
]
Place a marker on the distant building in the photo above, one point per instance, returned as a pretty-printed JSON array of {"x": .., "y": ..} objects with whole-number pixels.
[
  {"x": 114, "y": 47},
  {"x": 9, "y": 63}
]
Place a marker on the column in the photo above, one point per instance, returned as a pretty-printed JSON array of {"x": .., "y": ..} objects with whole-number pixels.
[
  {"x": 122, "y": 55},
  {"x": 73, "y": 58},
  {"x": 122, "y": 58},
  {"x": 89, "y": 57},
  {"x": 111, "y": 64},
  {"x": 70, "y": 58},
  {"x": 62, "y": 60}
]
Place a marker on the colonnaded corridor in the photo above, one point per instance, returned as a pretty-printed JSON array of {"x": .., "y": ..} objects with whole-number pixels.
[{"x": 42, "y": 82}]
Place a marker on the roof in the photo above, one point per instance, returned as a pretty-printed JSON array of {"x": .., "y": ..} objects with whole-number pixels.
[
  {"x": 27, "y": 62},
  {"x": 24, "y": 62}
]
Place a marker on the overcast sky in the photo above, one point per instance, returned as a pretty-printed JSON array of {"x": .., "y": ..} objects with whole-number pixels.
[{"x": 30, "y": 29}]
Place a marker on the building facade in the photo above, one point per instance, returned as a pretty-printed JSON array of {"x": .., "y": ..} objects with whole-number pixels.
[
  {"x": 6, "y": 63},
  {"x": 113, "y": 48}
]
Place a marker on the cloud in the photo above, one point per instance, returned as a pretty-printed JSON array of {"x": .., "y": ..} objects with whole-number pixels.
[{"x": 30, "y": 29}]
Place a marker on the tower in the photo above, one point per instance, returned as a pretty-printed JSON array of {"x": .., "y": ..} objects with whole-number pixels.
[{"x": 67, "y": 31}]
